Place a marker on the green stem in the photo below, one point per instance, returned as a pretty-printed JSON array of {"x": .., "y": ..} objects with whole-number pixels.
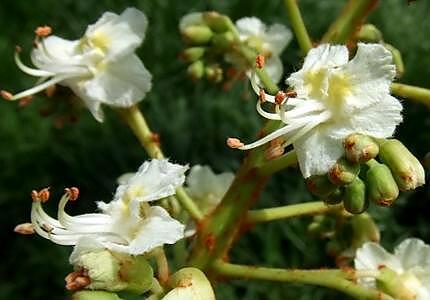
[
  {"x": 335, "y": 279},
  {"x": 298, "y": 25},
  {"x": 418, "y": 94},
  {"x": 272, "y": 166},
  {"x": 270, "y": 86},
  {"x": 349, "y": 21},
  {"x": 136, "y": 121},
  {"x": 289, "y": 211}
]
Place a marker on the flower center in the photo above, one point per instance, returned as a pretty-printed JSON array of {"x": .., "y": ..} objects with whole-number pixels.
[{"x": 101, "y": 41}]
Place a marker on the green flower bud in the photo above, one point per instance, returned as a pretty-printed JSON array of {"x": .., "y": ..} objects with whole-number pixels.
[
  {"x": 197, "y": 34},
  {"x": 355, "y": 200},
  {"x": 360, "y": 148},
  {"x": 369, "y": 33},
  {"x": 115, "y": 271},
  {"x": 397, "y": 59},
  {"x": 364, "y": 230},
  {"x": 381, "y": 186},
  {"x": 333, "y": 248},
  {"x": 95, "y": 295},
  {"x": 214, "y": 73},
  {"x": 335, "y": 198},
  {"x": 343, "y": 172},
  {"x": 192, "y": 54},
  {"x": 396, "y": 285},
  {"x": 406, "y": 169},
  {"x": 217, "y": 22},
  {"x": 190, "y": 284},
  {"x": 320, "y": 186},
  {"x": 223, "y": 41},
  {"x": 196, "y": 70}
]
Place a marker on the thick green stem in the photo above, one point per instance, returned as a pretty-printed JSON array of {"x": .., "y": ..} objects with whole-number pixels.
[
  {"x": 349, "y": 21},
  {"x": 272, "y": 166},
  {"x": 335, "y": 279},
  {"x": 298, "y": 25},
  {"x": 136, "y": 121},
  {"x": 418, "y": 94},
  {"x": 267, "y": 82},
  {"x": 289, "y": 211}
]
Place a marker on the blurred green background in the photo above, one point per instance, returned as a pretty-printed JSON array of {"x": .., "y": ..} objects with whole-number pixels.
[{"x": 193, "y": 120}]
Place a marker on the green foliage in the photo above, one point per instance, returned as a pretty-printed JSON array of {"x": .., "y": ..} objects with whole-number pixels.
[{"x": 193, "y": 120}]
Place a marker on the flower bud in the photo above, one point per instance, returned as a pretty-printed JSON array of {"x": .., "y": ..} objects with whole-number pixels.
[
  {"x": 336, "y": 197},
  {"x": 94, "y": 295},
  {"x": 115, "y": 271},
  {"x": 214, "y": 73},
  {"x": 381, "y": 186},
  {"x": 333, "y": 248},
  {"x": 320, "y": 186},
  {"x": 217, "y": 22},
  {"x": 223, "y": 41},
  {"x": 196, "y": 70},
  {"x": 190, "y": 284},
  {"x": 369, "y": 33},
  {"x": 364, "y": 230},
  {"x": 396, "y": 285},
  {"x": 343, "y": 172},
  {"x": 397, "y": 59},
  {"x": 360, "y": 148},
  {"x": 192, "y": 54},
  {"x": 355, "y": 200},
  {"x": 406, "y": 169},
  {"x": 197, "y": 34}
]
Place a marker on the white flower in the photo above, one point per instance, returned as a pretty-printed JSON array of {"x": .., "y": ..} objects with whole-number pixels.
[
  {"x": 268, "y": 41},
  {"x": 411, "y": 261},
  {"x": 127, "y": 224},
  {"x": 207, "y": 188},
  {"x": 335, "y": 97},
  {"x": 101, "y": 67}
]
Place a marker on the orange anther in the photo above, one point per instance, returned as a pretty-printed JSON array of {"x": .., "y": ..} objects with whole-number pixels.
[
  {"x": 262, "y": 96},
  {"x": 77, "y": 280},
  {"x": 6, "y": 95},
  {"x": 25, "y": 101},
  {"x": 155, "y": 138},
  {"x": 43, "y": 31},
  {"x": 18, "y": 48},
  {"x": 280, "y": 97},
  {"x": 24, "y": 228},
  {"x": 43, "y": 194},
  {"x": 72, "y": 192},
  {"x": 50, "y": 90},
  {"x": 34, "y": 195},
  {"x": 234, "y": 143},
  {"x": 259, "y": 61}
]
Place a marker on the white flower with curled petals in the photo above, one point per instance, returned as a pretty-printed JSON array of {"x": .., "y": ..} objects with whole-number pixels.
[
  {"x": 127, "y": 224},
  {"x": 268, "y": 41},
  {"x": 100, "y": 68},
  {"x": 335, "y": 97},
  {"x": 410, "y": 262}
]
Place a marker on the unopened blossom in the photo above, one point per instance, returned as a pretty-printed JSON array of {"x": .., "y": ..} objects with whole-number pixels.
[
  {"x": 269, "y": 41},
  {"x": 100, "y": 68},
  {"x": 410, "y": 262},
  {"x": 128, "y": 224},
  {"x": 334, "y": 97}
]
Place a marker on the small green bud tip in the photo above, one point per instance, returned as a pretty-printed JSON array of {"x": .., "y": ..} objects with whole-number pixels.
[
  {"x": 355, "y": 201},
  {"x": 214, "y": 73},
  {"x": 405, "y": 167},
  {"x": 336, "y": 197},
  {"x": 381, "y": 187},
  {"x": 369, "y": 33},
  {"x": 94, "y": 295},
  {"x": 364, "y": 230},
  {"x": 190, "y": 284},
  {"x": 343, "y": 172},
  {"x": 360, "y": 148},
  {"x": 196, "y": 70},
  {"x": 320, "y": 186},
  {"x": 197, "y": 34},
  {"x": 223, "y": 41},
  {"x": 396, "y": 285},
  {"x": 217, "y": 22},
  {"x": 192, "y": 54}
]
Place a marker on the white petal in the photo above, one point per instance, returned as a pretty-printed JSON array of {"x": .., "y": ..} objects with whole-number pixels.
[
  {"x": 122, "y": 83},
  {"x": 194, "y": 18},
  {"x": 274, "y": 68},
  {"x": 250, "y": 26},
  {"x": 84, "y": 245},
  {"x": 326, "y": 56},
  {"x": 371, "y": 256},
  {"x": 277, "y": 38},
  {"x": 370, "y": 74},
  {"x": 158, "y": 229},
  {"x": 120, "y": 35},
  {"x": 94, "y": 105},
  {"x": 317, "y": 152},
  {"x": 413, "y": 253}
]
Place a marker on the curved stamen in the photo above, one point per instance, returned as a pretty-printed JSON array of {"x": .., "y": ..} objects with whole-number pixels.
[
  {"x": 308, "y": 107},
  {"x": 30, "y": 71},
  {"x": 256, "y": 88},
  {"x": 266, "y": 114}
]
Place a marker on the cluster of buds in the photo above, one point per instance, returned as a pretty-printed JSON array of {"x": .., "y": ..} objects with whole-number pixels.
[
  {"x": 208, "y": 36},
  {"x": 380, "y": 182}
]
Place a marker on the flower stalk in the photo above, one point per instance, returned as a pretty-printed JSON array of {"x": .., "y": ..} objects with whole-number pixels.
[
  {"x": 414, "y": 93},
  {"x": 298, "y": 25}
]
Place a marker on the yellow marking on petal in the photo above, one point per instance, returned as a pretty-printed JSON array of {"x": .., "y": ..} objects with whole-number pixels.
[
  {"x": 339, "y": 87},
  {"x": 313, "y": 82},
  {"x": 101, "y": 40}
]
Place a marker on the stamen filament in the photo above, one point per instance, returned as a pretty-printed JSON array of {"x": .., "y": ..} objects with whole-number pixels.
[
  {"x": 38, "y": 88},
  {"x": 30, "y": 71},
  {"x": 266, "y": 114}
]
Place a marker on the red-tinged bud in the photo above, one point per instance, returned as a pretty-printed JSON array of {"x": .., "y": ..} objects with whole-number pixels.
[
  {"x": 320, "y": 186},
  {"x": 381, "y": 187},
  {"x": 360, "y": 148},
  {"x": 234, "y": 143},
  {"x": 343, "y": 172}
]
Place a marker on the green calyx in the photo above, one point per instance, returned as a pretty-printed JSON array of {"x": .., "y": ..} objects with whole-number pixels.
[
  {"x": 381, "y": 186},
  {"x": 192, "y": 54},
  {"x": 197, "y": 34},
  {"x": 320, "y": 186},
  {"x": 369, "y": 33},
  {"x": 196, "y": 70},
  {"x": 355, "y": 201},
  {"x": 95, "y": 295}
]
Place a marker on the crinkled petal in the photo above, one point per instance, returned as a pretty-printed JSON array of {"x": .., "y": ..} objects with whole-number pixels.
[
  {"x": 122, "y": 83},
  {"x": 326, "y": 56},
  {"x": 277, "y": 38},
  {"x": 194, "y": 18},
  {"x": 370, "y": 74},
  {"x": 157, "y": 229},
  {"x": 202, "y": 181},
  {"x": 413, "y": 253},
  {"x": 154, "y": 180},
  {"x": 250, "y": 26},
  {"x": 317, "y": 152},
  {"x": 371, "y": 256},
  {"x": 118, "y": 35}
]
